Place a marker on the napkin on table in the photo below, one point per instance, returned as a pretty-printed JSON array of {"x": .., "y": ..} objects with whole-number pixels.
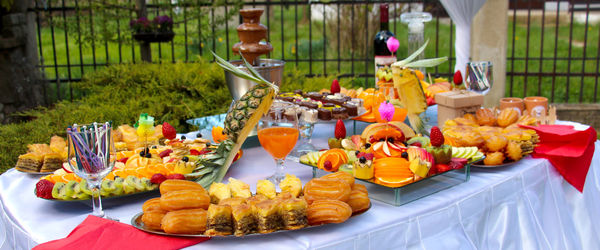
[
  {"x": 570, "y": 151},
  {"x": 99, "y": 233}
]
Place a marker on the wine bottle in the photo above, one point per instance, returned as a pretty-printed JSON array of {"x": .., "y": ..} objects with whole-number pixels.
[{"x": 383, "y": 57}]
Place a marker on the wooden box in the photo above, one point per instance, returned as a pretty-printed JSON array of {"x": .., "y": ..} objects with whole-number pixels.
[{"x": 454, "y": 104}]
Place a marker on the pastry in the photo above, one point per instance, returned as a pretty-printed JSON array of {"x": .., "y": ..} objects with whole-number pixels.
[
  {"x": 244, "y": 219},
  {"x": 52, "y": 161},
  {"x": 496, "y": 143},
  {"x": 328, "y": 211},
  {"x": 360, "y": 187},
  {"x": 175, "y": 185},
  {"x": 298, "y": 92},
  {"x": 494, "y": 158},
  {"x": 358, "y": 201},
  {"x": 328, "y": 105},
  {"x": 256, "y": 199},
  {"x": 507, "y": 117},
  {"x": 309, "y": 105},
  {"x": 59, "y": 145},
  {"x": 293, "y": 213},
  {"x": 184, "y": 199},
  {"x": 120, "y": 146},
  {"x": 339, "y": 113},
  {"x": 39, "y": 149},
  {"x": 151, "y": 205},
  {"x": 291, "y": 184},
  {"x": 266, "y": 188},
  {"x": 239, "y": 188},
  {"x": 29, "y": 162},
  {"x": 232, "y": 201},
  {"x": 326, "y": 189},
  {"x": 153, "y": 219},
  {"x": 219, "y": 220},
  {"x": 267, "y": 214},
  {"x": 324, "y": 114},
  {"x": 309, "y": 115},
  {"x": 218, "y": 191},
  {"x": 314, "y": 95},
  {"x": 187, "y": 221},
  {"x": 342, "y": 176},
  {"x": 351, "y": 108}
]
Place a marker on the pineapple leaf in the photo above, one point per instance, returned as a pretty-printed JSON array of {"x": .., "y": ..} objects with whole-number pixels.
[
  {"x": 412, "y": 57},
  {"x": 257, "y": 75},
  {"x": 426, "y": 63},
  {"x": 242, "y": 74}
]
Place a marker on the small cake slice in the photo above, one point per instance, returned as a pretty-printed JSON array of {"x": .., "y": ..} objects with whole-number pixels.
[
  {"x": 29, "y": 162},
  {"x": 220, "y": 221},
  {"x": 239, "y": 188},
  {"x": 219, "y": 191},
  {"x": 52, "y": 161},
  {"x": 266, "y": 188},
  {"x": 293, "y": 213},
  {"x": 267, "y": 214},
  {"x": 244, "y": 220},
  {"x": 291, "y": 184}
]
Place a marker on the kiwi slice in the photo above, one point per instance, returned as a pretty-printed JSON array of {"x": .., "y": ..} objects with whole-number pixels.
[
  {"x": 70, "y": 188},
  {"x": 83, "y": 186},
  {"x": 148, "y": 185},
  {"x": 128, "y": 186},
  {"x": 135, "y": 182},
  {"x": 108, "y": 185},
  {"x": 118, "y": 183},
  {"x": 56, "y": 190},
  {"x": 82, "y": 196}
]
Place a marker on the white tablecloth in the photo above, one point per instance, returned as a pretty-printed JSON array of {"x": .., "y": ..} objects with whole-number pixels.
[{"x": 524, "y": 206}]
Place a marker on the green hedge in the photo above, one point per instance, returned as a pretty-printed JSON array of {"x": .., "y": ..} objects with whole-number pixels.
[{"x": 169, "y": 92}]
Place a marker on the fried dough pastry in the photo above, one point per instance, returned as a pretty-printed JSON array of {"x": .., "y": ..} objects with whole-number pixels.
[
  {"x": 360, "y": 187},
  {"x": 152, "y": 219},
  {"x": 342, "y": 176},
  {"x": 186, "y": 221},
  {"x": 151, "y": 205},
  {"x": 328, "y": 211},
  {"x": 496, "y": 143},
  {"x": 358, "y": 201},
  {"x": 184, "y": 199},
  {"x": 495, "y": 158},
  {"x": 326, "y": 189},
  {"x": 175, "y": 185}
]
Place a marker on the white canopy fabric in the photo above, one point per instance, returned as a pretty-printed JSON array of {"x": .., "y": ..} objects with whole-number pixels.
[{"x": 462, "y": 13}]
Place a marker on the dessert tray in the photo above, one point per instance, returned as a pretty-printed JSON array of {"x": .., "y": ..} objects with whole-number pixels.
[
  {"x": 136, "y": 221},
  {"x": 103, "y": 197},
  {"x": 33, "y": 172}
]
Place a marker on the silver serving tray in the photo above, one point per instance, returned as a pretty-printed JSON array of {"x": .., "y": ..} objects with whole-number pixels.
[{"x": 136, "y": 221}]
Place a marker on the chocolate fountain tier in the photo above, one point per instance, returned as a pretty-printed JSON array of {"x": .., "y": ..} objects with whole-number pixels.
[
  {"x": 251, "y": 32},
  {"x": 270, "y": 69}
]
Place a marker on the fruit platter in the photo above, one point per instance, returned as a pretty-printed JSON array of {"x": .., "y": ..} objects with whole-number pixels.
[
  {"x": 140, "y": 166},
  {"x": 496, "y": 133},
  {"x": 185, "y": 208}
]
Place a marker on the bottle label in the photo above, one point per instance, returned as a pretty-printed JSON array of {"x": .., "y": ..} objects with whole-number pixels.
[{"x": 381, "y": 62}]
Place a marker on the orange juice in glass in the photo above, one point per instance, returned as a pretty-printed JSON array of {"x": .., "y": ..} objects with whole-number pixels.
[{"x": 278, "y": 134}]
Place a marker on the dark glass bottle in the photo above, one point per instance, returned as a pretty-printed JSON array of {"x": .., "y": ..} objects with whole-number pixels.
[{"x": 383, "y": 56}]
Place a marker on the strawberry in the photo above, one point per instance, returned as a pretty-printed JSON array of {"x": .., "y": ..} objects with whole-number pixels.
[
  {"x": 176, "y": 177},
  {"x": 123, "y": 160},
  {"x": 340, "y": 130},
  {"x": 440, "y": 168},
  {"x": 169, "y": 131},
  {"x": 335, "y": 87},
  {"x": 43, "y": 189},
  {"x": 158, "y": 178},
  {"x": 165, "y": 153},
  {"x": 369, "y": 156},
  {"x": 430, "y": 101},
  {"x": 361, "y": 154},
  {"x": 457, "y": 78},
  {"x": 436, "y": 136},
  {"x": 194, "y": 152}
]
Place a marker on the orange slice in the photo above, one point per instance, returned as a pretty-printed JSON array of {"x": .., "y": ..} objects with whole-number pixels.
[
  {"x": 332, "y": 157},
  {"x": 217, "y": 134},
  {"x": 341, "y": 153}
]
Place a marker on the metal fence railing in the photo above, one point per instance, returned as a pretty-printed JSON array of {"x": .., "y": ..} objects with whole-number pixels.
[{"x": 551, "y": 51}]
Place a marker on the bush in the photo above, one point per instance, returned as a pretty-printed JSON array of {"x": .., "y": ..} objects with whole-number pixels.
[{"x": 119, "y": 93}]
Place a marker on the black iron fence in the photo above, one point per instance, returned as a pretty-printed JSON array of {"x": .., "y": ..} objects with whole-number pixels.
[{"x": 551, "y": 51}]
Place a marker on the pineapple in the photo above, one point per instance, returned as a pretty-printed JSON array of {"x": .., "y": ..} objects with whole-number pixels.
[{"x": 239, "y": 122}]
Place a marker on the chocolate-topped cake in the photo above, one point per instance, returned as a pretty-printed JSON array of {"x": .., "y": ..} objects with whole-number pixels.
[
  {"x": 333, "y": 99},
  {"x": 314, "y": 95},
  {"x": 328, "y": 105},
  {"x": 339, "y": 113},
  {"x": 324, "y": 114},
  {"x": 298, "y": 92},
  {"x": 351, "y": 108},
  {"x": 286, "y": 98},
  {"x": 309, "y": 105}
]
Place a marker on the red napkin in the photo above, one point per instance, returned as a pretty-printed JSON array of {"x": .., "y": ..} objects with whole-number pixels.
[
  {"x": 570, "y": 151},
  {"x": 99, "y": 233}
]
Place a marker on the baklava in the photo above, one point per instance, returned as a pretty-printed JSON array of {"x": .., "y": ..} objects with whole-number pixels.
[
  {"x": 244, "y": 219},
  {"x": 219, "y": 220},
  {"x": 293, "y": 213},
  {"x": 267, "y": 215}
]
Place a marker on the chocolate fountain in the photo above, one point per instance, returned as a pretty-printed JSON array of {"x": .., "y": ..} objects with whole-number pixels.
[{"x": 251, "y": 33}]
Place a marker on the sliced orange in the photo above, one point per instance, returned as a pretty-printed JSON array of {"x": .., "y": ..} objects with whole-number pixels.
[
  {"x": 341, "y": 153},
  {"x": 217, "y": 134},
  {"x": 332, "y": 157}
]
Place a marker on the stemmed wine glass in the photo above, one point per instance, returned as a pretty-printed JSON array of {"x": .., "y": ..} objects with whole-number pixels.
[
  {"x": 92, "y": 156},
  {"x": 479, "y": 77},
  {"x": 278, "y": 134}
]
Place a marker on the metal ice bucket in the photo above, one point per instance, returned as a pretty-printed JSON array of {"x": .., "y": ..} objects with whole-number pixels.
[{"x": 270, "y": 69}]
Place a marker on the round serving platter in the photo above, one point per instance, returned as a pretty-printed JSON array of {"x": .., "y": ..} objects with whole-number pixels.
[
  {"x": 34, "y": 173},
  {"x": 495, "y": 166},
  {"x": 136, "y": 221}
]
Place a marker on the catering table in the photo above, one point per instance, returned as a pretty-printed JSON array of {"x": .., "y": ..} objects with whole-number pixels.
[{"x": 524, "y": 206}]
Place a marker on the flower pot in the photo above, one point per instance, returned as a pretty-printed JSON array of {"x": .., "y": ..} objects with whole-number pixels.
[{"x": 155, "y": 37}]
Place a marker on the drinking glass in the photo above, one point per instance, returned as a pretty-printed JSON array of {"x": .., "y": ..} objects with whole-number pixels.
[
  {"x": 479, "y": 77},
  {"x": 278, "y": 134},
  {"x": 92, "y": 156},
  {"x": 304, "y": 145}
]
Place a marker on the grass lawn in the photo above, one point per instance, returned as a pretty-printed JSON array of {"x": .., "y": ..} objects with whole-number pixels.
[{"x": 318, "y": 44}]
